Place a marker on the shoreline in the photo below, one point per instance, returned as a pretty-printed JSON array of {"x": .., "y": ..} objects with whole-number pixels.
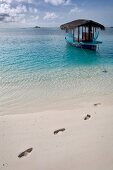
[{"x": 65, "y": 104}]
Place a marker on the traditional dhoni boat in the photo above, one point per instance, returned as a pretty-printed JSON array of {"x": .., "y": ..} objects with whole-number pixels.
[{"x": 87, "y": 32}]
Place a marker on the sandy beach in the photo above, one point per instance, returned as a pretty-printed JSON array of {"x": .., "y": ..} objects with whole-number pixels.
[{"x": 78, "y": 138}]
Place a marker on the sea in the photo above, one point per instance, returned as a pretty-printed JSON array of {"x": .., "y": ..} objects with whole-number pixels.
[{"x": 38, "y": 69}]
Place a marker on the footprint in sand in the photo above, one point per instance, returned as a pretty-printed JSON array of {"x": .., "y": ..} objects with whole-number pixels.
[
  {"x": 96, "y": 104},
  {"x": 87, "y": 117},
  {"x": 25, "y": 153},
  {"x": 59, "y": 130}
]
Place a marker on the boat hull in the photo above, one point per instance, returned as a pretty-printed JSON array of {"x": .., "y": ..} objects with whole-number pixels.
[{"x": 89, "y": 46}]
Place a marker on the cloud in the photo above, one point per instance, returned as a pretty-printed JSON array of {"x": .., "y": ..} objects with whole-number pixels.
[
  {"x": 18, "y": 13},
  {"x": 75, "y": 10},
  {"x": 50, "y": 16},
  {"x": 12, "y": 14},
  {"x": 6, "y": 8},
  {"x": 3, "y": 17},
  {"x": 27, "y": 1},
  {"x": 57, "y": 2},
  {"x": 67, "y": 2},
  {"x": 6, "y": 1},
  {"x": 32, "y": 10}
]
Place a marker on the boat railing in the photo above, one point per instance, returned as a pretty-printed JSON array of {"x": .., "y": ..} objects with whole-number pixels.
[{"x": 85, "y": 37}]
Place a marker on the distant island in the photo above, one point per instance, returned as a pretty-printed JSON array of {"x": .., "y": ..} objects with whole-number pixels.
[
  {"x": 36, "y": 27},
  {"x": 111, "y": 27}
]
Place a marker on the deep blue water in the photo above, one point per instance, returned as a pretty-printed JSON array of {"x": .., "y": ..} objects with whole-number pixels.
[{"x": 37, "y": 67}]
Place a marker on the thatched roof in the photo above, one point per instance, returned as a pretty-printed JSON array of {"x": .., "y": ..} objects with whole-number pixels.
[{"x": 81, "y": 22}]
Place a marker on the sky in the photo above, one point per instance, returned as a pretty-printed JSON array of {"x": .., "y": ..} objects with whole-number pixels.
[{"x": 52, "y": 13}]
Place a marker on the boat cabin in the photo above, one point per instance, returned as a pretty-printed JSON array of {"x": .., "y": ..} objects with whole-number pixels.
[{"x": 86, "y": 33}]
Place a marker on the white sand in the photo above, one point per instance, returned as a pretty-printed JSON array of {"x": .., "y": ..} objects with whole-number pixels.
[{"x": 84, "y": 145}]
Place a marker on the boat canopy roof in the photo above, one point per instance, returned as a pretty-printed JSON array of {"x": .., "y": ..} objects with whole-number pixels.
[{"x": 80, "y": 23}]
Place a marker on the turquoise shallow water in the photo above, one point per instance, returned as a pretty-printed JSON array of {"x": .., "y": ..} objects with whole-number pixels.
[{"x": 37, "y": 69}]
